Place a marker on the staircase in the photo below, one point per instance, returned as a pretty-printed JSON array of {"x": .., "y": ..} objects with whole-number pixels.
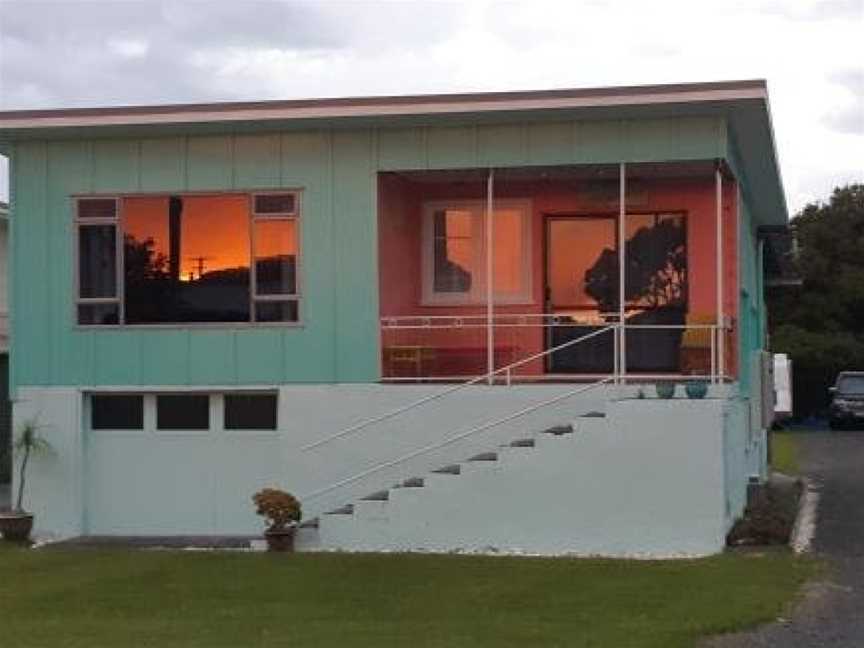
[{"x": 511, "y": 498}]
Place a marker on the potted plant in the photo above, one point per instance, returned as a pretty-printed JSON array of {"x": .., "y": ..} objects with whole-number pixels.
[
  {"x": 282, "y": 512},
  {"x": 665, "y": 389},
  {"x": 16, "y": 524},
  {"x": 696, "y": 388}
]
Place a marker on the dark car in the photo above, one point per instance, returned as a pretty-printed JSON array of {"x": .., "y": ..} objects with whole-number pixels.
[{"x": 847, "y": 402}]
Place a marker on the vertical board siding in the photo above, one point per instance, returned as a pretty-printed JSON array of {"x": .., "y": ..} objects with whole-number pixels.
[
  {"x": 550, "y": 143},
  {"x": 451, "y": 147},
  {"x": 163, "y": 164},
  {"x": 501, "y": 145},
  {"x": 209, "y": 163},
  {"x": 70, "y": 171},
  {"x": 30, "y": 307},
  {"x": 256, "y": 161},
  {"x": 338, "y": 340},
  {"x": 116, "y": 166},
  {"x": 356, "y": 257}
]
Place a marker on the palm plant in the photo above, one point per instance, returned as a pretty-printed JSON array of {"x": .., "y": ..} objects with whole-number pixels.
[{"x": 28, "y": 442}]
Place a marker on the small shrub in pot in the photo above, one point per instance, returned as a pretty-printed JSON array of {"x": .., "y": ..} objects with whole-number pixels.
[
  {"x": 17, "y": 524},
  {"x": 282, "y": 512}
]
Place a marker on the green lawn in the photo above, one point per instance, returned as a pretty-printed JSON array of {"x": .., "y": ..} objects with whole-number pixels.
[
  {"x": 784, "y": 453},
  {"x": 96, "y": 599}
]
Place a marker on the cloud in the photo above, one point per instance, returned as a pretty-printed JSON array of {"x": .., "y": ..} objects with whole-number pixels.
[
  {"x": 849, "y": 117},
  {"x": 115, "y": 52}
]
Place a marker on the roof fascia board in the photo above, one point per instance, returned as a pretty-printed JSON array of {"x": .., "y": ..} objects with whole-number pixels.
[{"x": 413, "y": 106}]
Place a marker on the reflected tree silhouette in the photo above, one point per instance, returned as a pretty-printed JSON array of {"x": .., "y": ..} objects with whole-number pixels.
[{"x": 656, "y": 272}]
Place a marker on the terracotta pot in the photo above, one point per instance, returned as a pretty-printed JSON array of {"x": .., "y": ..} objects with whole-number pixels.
[
  {"x": 16, "y": 526},
  {"x": 281, "y": 540}
]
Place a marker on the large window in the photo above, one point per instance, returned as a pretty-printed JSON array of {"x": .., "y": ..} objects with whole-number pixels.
[
  {"x": 454, "y": 252},
  {"x": 168, "y": 259}
]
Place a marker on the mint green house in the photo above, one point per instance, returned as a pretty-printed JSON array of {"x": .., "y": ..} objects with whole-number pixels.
[{"x": 422, "y": 315}]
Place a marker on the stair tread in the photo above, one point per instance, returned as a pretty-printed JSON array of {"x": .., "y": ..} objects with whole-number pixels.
[
  {"x": 558, "y": 430},
  {"x": 413, "y": 482},
  {"x": 593, "y": 414},
  {"x": 484, "y": 456},
  {"x": 452, "y": 469},
  {"x": 523, "y": 443},
  {"x": 377, "y": 496},
  {"x": 310, "y": 524},
  {"x": 348, "y": 509}
]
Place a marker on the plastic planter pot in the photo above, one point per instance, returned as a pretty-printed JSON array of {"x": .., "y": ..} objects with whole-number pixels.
[
  {"x": 696, "y": 389},
  {"x": 665, "y": 389}
]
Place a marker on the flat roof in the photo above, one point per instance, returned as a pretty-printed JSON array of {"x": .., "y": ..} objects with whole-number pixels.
[
  {"x": 744, "y": 105},
  {"x": 405, "y": 105}
]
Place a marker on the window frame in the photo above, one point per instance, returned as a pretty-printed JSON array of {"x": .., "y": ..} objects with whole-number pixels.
[
  {"x": 80, "y": 222},
  {"x": 216, "y": 429},
  {"x": 254, "y": 218},
  {"x": 120, "y": 296},
  {"x": 477, "y": 294}
]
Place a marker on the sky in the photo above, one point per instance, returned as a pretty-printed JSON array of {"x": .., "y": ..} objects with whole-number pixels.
[{"x": 114, "y": 52}]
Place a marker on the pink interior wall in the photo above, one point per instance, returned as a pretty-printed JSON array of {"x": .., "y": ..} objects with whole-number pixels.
[{"x": 400, "y": 227}]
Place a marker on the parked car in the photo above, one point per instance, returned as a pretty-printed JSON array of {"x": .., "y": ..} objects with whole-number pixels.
[{"x": 847, "y": 402}]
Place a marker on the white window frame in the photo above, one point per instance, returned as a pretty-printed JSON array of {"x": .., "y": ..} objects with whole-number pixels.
[
  {"x": 120, "y": 298},
  {"x": 254, "y": 218},
  {"x": 116, "y": 222},
  {"x": 477, "y": 294}
]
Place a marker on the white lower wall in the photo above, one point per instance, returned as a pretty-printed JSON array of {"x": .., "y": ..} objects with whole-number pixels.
[{"x": 662, "y": 463}]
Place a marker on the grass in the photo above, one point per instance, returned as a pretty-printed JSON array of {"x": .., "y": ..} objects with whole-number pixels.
[
  {"x": 97, "y": 599},
  {"x": 784, "y": 453}
]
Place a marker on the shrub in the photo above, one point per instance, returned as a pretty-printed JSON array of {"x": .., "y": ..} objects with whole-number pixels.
[{"x": 279, "y": 508}]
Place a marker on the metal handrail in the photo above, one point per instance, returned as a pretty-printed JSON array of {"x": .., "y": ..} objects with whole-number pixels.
[
  {"x": 506, "y": 370},
  {"x": 453, "y": 439}
]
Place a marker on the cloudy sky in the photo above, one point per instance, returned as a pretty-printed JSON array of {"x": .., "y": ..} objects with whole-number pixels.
[{"x": 111, "y": 52}]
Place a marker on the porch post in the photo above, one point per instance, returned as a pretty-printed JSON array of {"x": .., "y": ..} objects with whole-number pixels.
[
  {"x": 718, "y": 184},
  {"x": 490, "y": 288},
  {"x": 622, "y": 259}
]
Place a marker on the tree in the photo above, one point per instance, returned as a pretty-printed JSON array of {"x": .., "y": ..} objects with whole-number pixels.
[{"x": 821, "y": 324}]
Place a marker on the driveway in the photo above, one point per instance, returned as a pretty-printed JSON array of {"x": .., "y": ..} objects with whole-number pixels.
[{"x": 832, "y": 612}]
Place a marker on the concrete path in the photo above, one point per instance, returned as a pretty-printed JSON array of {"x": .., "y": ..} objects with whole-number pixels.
[{"x": 832, "y": 612}]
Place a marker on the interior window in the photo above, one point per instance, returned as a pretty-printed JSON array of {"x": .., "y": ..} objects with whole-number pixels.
[
  {"x": 455, "y": 252},
  {"x": 117, "y": 412},
  {"x": 183, "y": 412}
]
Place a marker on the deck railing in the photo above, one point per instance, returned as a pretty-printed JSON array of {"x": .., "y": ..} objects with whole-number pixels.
[{"x": 452, "y": 347}]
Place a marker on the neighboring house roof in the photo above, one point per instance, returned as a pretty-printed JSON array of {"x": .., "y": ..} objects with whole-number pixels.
[{"x": 743, "y": 103}]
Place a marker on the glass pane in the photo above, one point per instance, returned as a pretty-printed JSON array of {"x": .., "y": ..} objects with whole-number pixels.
[
  {"x": 583, "y": 265},
  {"x": 276, "y": 311},
  {"x": 508, "y": 261},
  {"x": 186, "y": 259},
  {"x": 276, "y": 257},
  {"x": 97, "y": 261},
  {"x": 250, "y": 411},
  {"x": 656, "y": 260},
  {"x": 275, "y": 203},
  {"x": 183, "y": 412},
  {"x": 89, "y": 314},
  {"x": 97, "y": 208},
  {"x": 453, "y": 251},
  {"x": 117, "y": 412}
]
